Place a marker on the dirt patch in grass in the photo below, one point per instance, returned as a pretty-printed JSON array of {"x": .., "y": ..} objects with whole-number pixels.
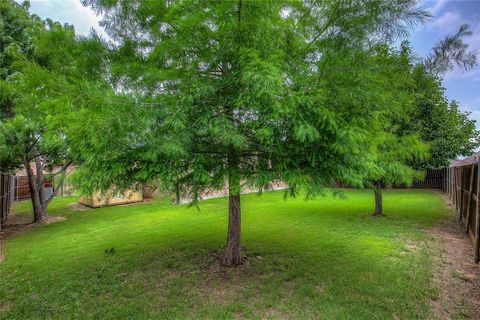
[
  {"x": 455, "y": 274},
  {"x": 223, "y": 286},
  {"x": 17, "y": 224},
  {"x": 5, "y": 307}
]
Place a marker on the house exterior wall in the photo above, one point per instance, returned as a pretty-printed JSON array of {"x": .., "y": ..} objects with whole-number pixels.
[{"x": 223, "y": 192}]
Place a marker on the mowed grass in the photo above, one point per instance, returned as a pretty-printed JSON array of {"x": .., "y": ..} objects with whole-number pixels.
[{"x": 322, "y": 259}]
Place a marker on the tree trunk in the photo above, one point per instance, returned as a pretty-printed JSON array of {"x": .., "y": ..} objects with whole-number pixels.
[
  {"x": 378, "y": 202},
  {"x": 41, "y": 184},
  {"x": 233, "y": 252},
  {"x": 177, "y": 193},
  {"x": 39, "y": 213}
]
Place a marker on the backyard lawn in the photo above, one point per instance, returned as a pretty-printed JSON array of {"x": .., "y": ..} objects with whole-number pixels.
[{"x": 324, "y": 258}]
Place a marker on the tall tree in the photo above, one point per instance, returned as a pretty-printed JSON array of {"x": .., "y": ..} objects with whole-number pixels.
[
  {"x": 18, "y": 33},
  {"x": 421, "y": 116},
  {"x": 43, "y": 64},
  {"x": 448, "y": 131},
  {"x": 392, "y": 164},
  {"x": 239, "y": 92},
  {"x": 440, "y": 123},
  {"x": 394, "y": 149}
]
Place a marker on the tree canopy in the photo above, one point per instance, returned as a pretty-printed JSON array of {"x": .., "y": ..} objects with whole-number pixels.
[
  {"x": 44, "y": 65},
  {"x": 247, "y": 92},
  {"x": 448, "y": 130}
]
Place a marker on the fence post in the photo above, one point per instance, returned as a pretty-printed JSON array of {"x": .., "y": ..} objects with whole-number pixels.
[
  {"x": 467, "y": 220},
  {"x": 5, "y": 200},
  {"x": 449, "y": 182},
  {"x": 476, "y": 245},
  {"x": 444, "y": 179},
  {"x": 460, "y": 208},
  {"x": 452, "y": 183},
  {"x": 456, "y": 177}
]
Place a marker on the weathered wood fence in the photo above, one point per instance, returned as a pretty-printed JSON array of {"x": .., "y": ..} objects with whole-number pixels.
[
  {"x": 462, "y": 184},
  {"x": 6, "y": 196},
  {"x": 21, "y": 189},
  {"x": 433, "y": 179}
]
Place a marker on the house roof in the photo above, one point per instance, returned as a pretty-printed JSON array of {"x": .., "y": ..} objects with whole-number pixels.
[
  {"x": 474, "y": 158},
  {"x": 22, "y": 172}
]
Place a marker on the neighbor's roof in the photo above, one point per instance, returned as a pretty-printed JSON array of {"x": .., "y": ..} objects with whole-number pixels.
[
  {"x": 474, "y": 158},
  {"x": 22, "y": 172}
]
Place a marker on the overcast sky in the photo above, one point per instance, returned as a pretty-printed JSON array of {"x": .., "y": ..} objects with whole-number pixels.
[{"x": 448, "y": 15}]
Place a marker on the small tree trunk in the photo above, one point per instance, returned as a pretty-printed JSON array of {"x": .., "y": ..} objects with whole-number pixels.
[
  {"x": 233, "y": 253},
  {"x": 177, "y": 193},
  {"x": 378, "y": 202},
  {"x": 39, "y": 214},
  {"x": 41, "y": 184}
]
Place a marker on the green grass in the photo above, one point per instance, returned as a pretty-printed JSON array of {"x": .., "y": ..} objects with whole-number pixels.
[{"x": 323, "y": 258}]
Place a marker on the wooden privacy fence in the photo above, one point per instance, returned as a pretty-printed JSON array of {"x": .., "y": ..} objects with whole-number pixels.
[
  {"x": 6, "y": 196},
  {"x": 21, "y": 189},
  {"x": 462, "y": 184},
  {"x": 433, "y": 179}
]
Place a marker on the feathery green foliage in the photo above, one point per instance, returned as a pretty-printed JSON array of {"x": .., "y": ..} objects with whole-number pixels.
[
  {"x": 43, "y": 65},
  {"x": 451, "y": 52},
  {"x": 243, "y": 91},
  {"x": 285, "y": 87},
  {"x": 448, "y": 131},
  {"x": 395, "y": 148}
]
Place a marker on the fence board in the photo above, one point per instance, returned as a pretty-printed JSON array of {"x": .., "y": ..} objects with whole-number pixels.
[
  {"x": 469, "y": 200},
  {"x": 5, "y": 197}
]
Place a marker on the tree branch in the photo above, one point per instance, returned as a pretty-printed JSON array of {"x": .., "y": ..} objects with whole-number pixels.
[
  {"x": 63, "y": 168},
  {"x": 57, "y": 187}
]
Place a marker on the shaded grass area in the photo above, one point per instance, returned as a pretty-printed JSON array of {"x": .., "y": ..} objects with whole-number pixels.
[{"x": 324, "y": 258}]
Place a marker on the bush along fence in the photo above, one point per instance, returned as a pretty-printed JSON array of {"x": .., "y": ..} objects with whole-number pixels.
[
  {"x": 6, "y": 196},
  {"x": 462, "y": 184}
]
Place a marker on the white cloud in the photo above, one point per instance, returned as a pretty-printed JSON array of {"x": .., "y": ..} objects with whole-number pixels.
[
  {"x": 447, "y": 22},
  {"x": 474, "y": 40},
  {"x": 436, "y": 6},
  {"x": 471, "y": 75},
  {"x": 68, "y": 11}
]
